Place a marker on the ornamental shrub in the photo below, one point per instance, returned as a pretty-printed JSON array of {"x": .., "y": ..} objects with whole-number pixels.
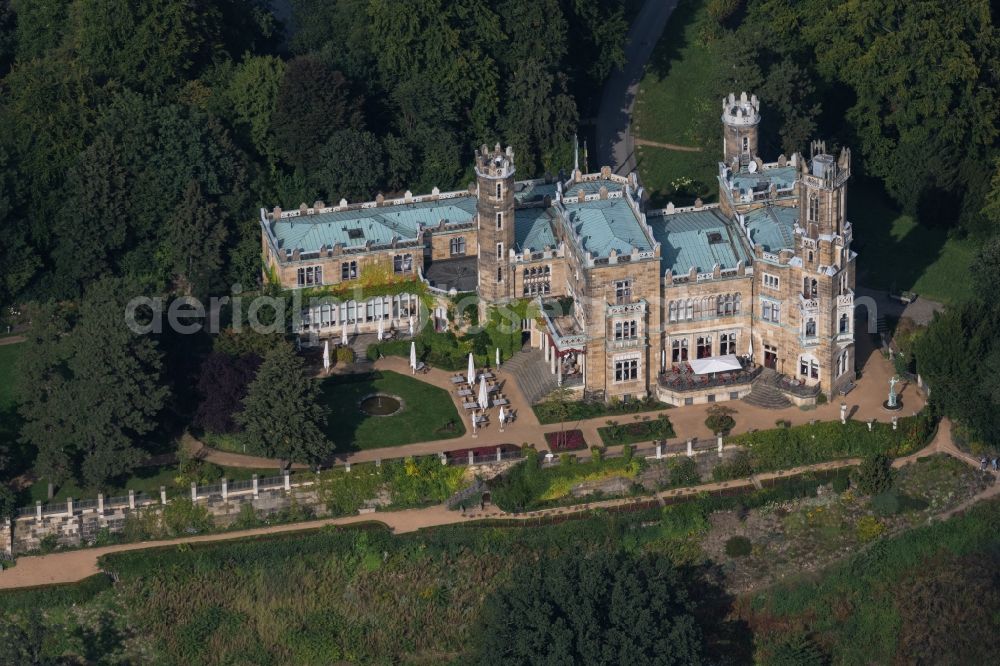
[
  {"x": 738, "y": 546},
  {"x": 720, "y": 418},
  {"x": 868, "y": 528}
]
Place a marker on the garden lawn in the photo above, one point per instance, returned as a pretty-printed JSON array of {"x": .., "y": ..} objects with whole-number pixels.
[
  {"x": 676, "y": 104},
  {"x": 428, "y": 412},
  {"x": 895, "y": 252}
]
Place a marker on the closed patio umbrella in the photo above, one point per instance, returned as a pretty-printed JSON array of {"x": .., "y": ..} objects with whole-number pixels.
[
  {"x": 413, "y": 357},
  {"x": 411, "y": 326},
  {"x": 343, "y": 335},
  {"x": 502, "y": 417},
  {"x": 471, "y": 376},
  {"x": 484, "y": 394},
  {"x": 381, "y": 330},
  {"x": 498, "y": 357},
  {"x": 326, "y": 355}
]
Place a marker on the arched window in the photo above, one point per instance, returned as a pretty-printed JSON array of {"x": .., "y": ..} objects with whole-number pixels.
[
  {"x": 689, "y": 307},
  {"x": 704, "y": 346},
  {"x": 499, "y": 250},
  {"x": 499, "y": 190},
  {"x": 813, "y": 208},
  {"x": 499, "y": 274},
  {"x": 810, "y": 328},
  {"x": 673, "y": 311},
  {"x": 845, "y": 323},
  {"x": 679, "y": 350},
  {"x": 736, "y": 304},
  {"x": 499, "y": 220}
]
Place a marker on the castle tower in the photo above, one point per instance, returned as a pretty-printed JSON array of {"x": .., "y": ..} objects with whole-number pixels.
[
  {"x": 825, "y": 268},
  {"x": 823, "y": 191},
  {"x": 740, "y": 121},
  {"x": 495, "y": 212}
]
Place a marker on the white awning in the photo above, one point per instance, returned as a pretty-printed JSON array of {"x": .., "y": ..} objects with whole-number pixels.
[{"x": 704, "y": 366}]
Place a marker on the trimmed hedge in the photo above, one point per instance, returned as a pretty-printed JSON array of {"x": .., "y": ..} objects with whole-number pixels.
[{"x": 782, "y": 448}]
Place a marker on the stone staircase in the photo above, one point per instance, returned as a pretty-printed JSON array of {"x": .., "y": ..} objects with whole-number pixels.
[
  {"x": 532, "y": 374},
  {"x": 764, "y": 393}
]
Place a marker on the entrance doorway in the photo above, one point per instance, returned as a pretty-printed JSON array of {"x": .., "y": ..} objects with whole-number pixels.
[{"x": 771, "y": 357}]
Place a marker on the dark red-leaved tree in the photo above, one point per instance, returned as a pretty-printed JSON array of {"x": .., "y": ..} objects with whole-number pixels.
[{"x": 223, "y": 385}]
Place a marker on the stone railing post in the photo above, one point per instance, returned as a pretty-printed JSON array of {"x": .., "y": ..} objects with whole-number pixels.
[
  {"x": 895, "y": 422},
  {"x": 443, "y": 458},
  {"x": 100, "y": 504},
  {"x": 194, "y": 491},
  {"x": 472, "y": 458},
  {"x": 256, "y": 490},
  {"x": 659, "y": 450},
  {"x": 225, "y": 489},
  {"x": 38, "y": 510},
  {"x": 288, "y": 482},
  {"x": 690, "y": 450},
  {"x": 347, "y": 467},
  {"x": 843, "y": 413},
  {"x": 719, "y": 439},
  {"x": 69, "y": 506},
  {"x": 131, "y": 500},
  {"x": 499, "y": 454},
  {"x": 163, "y": 495}
]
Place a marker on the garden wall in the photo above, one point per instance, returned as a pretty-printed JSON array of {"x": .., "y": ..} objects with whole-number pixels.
[{"x": 79, "y": 523}]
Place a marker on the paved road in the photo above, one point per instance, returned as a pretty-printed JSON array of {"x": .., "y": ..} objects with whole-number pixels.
[{"x": 614, "y": 141}]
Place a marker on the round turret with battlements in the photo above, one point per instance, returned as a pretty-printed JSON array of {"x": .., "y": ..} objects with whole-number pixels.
[{"x": 740, "y": 120}]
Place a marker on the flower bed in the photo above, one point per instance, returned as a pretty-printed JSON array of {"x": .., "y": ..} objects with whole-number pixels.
[
  {"x": 637, "y": 431},
  {"x": 569, "y": 440}
]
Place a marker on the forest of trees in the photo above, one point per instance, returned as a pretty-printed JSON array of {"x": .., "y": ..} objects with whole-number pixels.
[{"x": 138, "y": 140}]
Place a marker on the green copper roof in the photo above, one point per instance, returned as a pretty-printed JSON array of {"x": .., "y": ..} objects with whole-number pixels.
[
  {"x": 771, "y": 227},
  {"x": 533, "y": 230},
  {"x": 782, "y": 177},
  {"x": 700, "y": 238},
  {"x": 354, "y": 228},
  {"x": 605, "y": 225}
]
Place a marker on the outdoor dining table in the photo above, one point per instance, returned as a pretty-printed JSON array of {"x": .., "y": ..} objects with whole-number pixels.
[
  {"x": 470, "y": 405},
  {"x": 501, "y": 401},
  {"x": 482, "y": 419},
  {"x": 487, "y": 375},
  {"x": 465, "y": 393},
  {"x": 493, "y": 389},
  {"x": 458, "y": 379}
]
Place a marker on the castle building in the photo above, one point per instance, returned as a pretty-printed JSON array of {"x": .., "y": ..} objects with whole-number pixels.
[{"x": 690, "y": 304}]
